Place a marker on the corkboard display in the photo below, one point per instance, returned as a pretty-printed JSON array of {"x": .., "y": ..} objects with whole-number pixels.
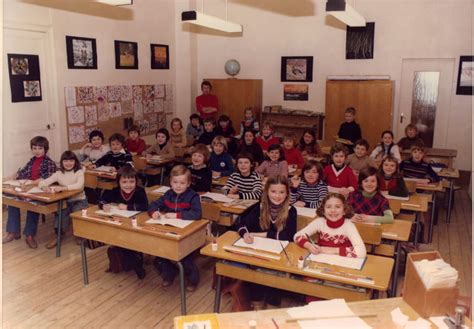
[{"x": 112, "y": 109}]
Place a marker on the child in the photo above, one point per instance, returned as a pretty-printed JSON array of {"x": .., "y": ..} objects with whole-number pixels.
[
  {"x": 310, "y": 191},
  {"x": 225, "y": 129},
  {"x": 249, "y": 144},
  {"x": 245, "y": 183},
  {"x": 69, "y": 177},
  {"x": 266, "y": 138},
  {"x": 162, "y": 147},
  {"x": 349, "y": 129},
  {"x": 117, "y": 157},
  {"x": 386, "y": 147},
  {"x": 201, "y": 175},
  {"x": 209, "y": 132},
  {"x": 183, "y": 203},
  {"x": 220, "y": 162},
  {"x": 250, "y": 123},
  {"x": 94, "y": 150},
  {"x": 275, "y": 163},
  {"x": 40, "y": 166},
  {"x": 177, "y": 134},
  {"x": 369, "y": 205},
  {"x": 292, "y": 154},
  {"x": 359, "y": 160},
  {"x": 335, "y": 234},
  {"x": 271, "y": 218},
  {"x": 411, "y": 138},
  {"x": 194, "y": 128},
  {"x": 308, "y": 144},
  {"x": 390, "y": 179},
  {"x": 339, "y": 177},
  {"x": 134, "y": 144},
  {"x": 415, "y": 167}
]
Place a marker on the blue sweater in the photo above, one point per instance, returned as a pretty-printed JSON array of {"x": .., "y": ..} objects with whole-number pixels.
[
  {"x": 222, "y": 163},
  {"x": 186, "y": 205}
]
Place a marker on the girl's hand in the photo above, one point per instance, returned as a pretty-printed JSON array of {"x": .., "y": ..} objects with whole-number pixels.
[
  {"x": 234, "y": 190},
  {"x": 122, "y": 206},
  {"x": 295, "y": 181},
  {"x": 233, "y": 196},
  {"x": 299, "y": 204},
  {"x": 345, "y": 191},
  {"x": 87, "y": 145},
  {"x": 106, "y": 207},
  {"x": 329, "y": 250},
  {"x": 312, "y": 248},
  {"x": 36, "y": 181},
  {"x": 248, "y": 238},
  {"x": 47, "y": 189},
  {"x": 55, "y": 189},
  {"x": 216, "y": 174},
  {"x": 170, "y": 215},
  {"x": 156, "y": 215},
  {"x": 359, "y": 218}
]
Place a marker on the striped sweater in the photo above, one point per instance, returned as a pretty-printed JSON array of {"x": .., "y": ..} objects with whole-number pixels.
[
  {"x": 412, "y": 169},
  {"x": 250, "y": 187},
  {"x": 311, "y": 195}
]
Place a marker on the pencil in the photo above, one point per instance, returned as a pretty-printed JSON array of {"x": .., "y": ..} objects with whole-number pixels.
[
  {"x": 368, "y": 315},
  {"x": 281, "y": 244}
]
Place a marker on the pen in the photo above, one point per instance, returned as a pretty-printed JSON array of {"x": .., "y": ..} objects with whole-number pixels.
[{"x": 281, "y": 244}]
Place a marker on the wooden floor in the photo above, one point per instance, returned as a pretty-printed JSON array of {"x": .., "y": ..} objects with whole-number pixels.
[{"x": 42, "y": 291}]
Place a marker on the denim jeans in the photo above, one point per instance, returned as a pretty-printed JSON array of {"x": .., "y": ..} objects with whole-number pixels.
[
  {"x": 72, "y": 206},
  {"x": 14, "y": 221}
]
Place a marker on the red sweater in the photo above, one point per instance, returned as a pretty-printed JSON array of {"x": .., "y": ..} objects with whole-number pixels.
[
  {"x": 137, "y": 146},
  {"x": 207, "y": 101},
  {"x": 293, "y": 157},
  {"x": 265, "y": 143},
  {"x": 343, "y": 178}
]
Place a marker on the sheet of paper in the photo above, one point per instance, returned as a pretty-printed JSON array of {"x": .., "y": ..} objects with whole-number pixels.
[
  {"x": 263, "y": 244},
  {"x": 307, "y": 212},
  {"x": 115, "y": 211},
  {"x": 17, "y": 182},
  {"x": 393, "y": 197},
  {"x": 348, "y": 262},
  {"x": 35, "y": 190},
  {"x": 352, "y": 323},
  {"x": 107, "y": 169},
  {"x": 170, "y": 221},
  {"x": 217, "y": 197},
  {"x": 162, "y": 189}
]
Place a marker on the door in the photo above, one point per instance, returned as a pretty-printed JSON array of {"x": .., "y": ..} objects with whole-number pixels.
[{"x": 22, "y": 121}]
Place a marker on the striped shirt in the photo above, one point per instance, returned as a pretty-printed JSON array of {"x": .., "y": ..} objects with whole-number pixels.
[
  {"x": 250, "y": 187},
  {"x": 311, "y": 195}
]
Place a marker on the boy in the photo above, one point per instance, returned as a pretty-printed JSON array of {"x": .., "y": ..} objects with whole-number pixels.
[
  {"x": 339, "y": 177},
  {"x": 349, "y": 129},
  {"x": 415, "y": 167},
  {"x": 39, "y": 167},
  {"x": 410, "y": 139},
  {"x": 93, "y": 150},
  {"x": 134, "y": 144},
  {"x": 183, "y": 203},
  {"x": 194, "y": 128},
  {"x": 117, "y": 157},
  {"x": 360, "y": 160},
  {"x": 266, "y": 138},
  {"x": 209, "y": 132},
  {"x": 201, "y": 175},
  {"x": 292, "y": 155}
]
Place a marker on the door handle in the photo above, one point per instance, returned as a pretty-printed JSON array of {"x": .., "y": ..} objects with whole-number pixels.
[{"x": 401, "y": 118}]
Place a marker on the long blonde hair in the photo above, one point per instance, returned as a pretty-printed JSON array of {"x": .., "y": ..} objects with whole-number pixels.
[{"x": 265, "y": 216}]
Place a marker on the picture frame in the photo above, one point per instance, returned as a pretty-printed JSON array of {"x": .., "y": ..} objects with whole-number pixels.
[
  {"x": 126, "y": 55},
  {"x": 25, "y": 78},
  {"x": 297, "y": 68},
  {"x": 160, "y": 57},
  {"x": 81, "y": 53},
  {"x": 295, "y": 92},
  {"x": 360, "y": 41},
  {"x": 465, "y": 76}
]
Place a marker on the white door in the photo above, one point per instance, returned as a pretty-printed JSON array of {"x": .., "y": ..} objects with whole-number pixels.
[
  {"x": 445, "y": 67},
  {"x": 22, "y": 121}
]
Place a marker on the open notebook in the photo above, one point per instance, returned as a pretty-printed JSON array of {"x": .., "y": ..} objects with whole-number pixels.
[
  {"x": 17, "y": 182},
  {"x": 176, "y": 222},
  {"x": 115, "y": 211},
  {"x": 307, "y": 212},
  {"x": 217, "y": 197},
  {"x": 162, "y": 189},
  {"x": 263, "y": 244},
  {"x": 348, "y": 262},
  {"x": 106, "y": 169}
]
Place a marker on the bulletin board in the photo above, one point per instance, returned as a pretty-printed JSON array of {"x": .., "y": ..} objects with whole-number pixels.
[{"x": 113, "y": 109}]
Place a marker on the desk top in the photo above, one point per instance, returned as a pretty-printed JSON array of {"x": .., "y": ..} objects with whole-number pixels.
[
  {"x": 43, "y": 197},
  {"x": 221, "y": 181},
  {"x": 412, "y": 186},
  {"x": 101, "y": 174},
  {"x": 449, "y": 173},
  {"x": 416, "y": 202},
  {"x": 436, "y": 152},
  {"x": 399, "y": 230}
]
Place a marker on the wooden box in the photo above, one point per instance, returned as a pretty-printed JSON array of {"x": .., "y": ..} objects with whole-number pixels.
[{"x": 427, "y": 302}]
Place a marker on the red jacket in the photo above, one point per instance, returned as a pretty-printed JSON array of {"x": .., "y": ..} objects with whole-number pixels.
[
  {"x": 293, "y": 157},
  {"x": 266, "y": 143},
  {"x": 344, "y": 178}
]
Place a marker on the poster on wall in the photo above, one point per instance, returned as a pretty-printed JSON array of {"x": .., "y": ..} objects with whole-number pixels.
[
  {"x": 294, "y": 92},
  {"x": 25, "y": 82}
]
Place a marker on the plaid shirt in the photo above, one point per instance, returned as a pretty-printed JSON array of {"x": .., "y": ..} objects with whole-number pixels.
[
  {"x": 374, "y": 206},
  {"x": 47, "y": 168}
]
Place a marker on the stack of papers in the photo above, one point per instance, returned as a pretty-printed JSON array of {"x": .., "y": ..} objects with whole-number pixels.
[
  {"x": 162, "y": 189},
  {"x": 307, "y": 212},
  {"x": 217, "y": 197},
  {"x": 436, "y": 273},
  {"x": 17, "y": 182},
  {"x": 115, "y": 211},
  {"x": 176, "y": 222},
  {"x": 403, "y": 321},
  {"x": 263, "y": 244},
  {"x": 347, "y": 262}
]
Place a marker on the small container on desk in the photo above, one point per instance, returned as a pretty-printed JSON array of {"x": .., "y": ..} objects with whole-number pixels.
[{"x": 427, "y": 302}]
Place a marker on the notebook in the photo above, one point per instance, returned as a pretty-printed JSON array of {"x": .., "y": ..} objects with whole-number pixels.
[
  {"x": 115, "y": 211},
  {"x": 263, "y": 244},
  {"x": 35, "y": 190},
  {"x": 307, "y": 212},
  {"x": 162, "y": 189},
  {"x": 217, "y": 197},
  {"x": 106, "y": 169},
  {"x": 170, "y": 221},
  {"x": 17, "y": 182},
  {"x": 347, "y": 262}
]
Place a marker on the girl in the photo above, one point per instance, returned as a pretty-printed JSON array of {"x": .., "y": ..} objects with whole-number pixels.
[
  {"x": 177, "y": 134},
  {"x": 250, "y": 123},
  {"x": 266, "y": 138},
  {"x": 312, "y": 190},
  {"x": 272, "y": 218},
  {"x": 220, "y": 162},
  {"x": 117, "y": 157},
  {"x": 245, "y": 183},
  {"x": 209, "y": 132},
  {"x": 225, "y": 129},
  {"x": 194, "y": 128},
  {"x": 69, "y": 177},
  {"x": 162, "y": 147},
  {"x": 369, "y": 205},
  {"x": 308, "y": 144},
  {"x": 275, "y": 163},
  {"x": 411, "y": 138},
  {"x": 95, "y": 149},
  {"x": 335, "y": 234},
  {"x": 390, "y": 179},
  {"x": 292, "y": 154},
  {"x": 250, "y": 145},
  {"x": 340, "y": 177},
  {"x": 134, "y": 144},
  {"x": 201, "y": 175},
  {"x": 386, "y": 147}
]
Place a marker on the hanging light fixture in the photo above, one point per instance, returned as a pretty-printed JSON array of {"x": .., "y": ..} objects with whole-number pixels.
[
  {"x": 345, "y": 13},
  {"x": 212, "y": 22},
  {"x": 116, "y": 2}
]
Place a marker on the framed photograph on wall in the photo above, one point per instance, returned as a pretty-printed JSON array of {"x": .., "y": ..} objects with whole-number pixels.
[
  {"x": 297, "y": 68},
  {"x": 126, "y": 55},
  {"x": 160, "y": 57},
  {"x": 465, "y": 76},
  {"x": 295, "y": 92},
  {"x": 81, "y": 53},
  {"x": 25, "y": 81}
]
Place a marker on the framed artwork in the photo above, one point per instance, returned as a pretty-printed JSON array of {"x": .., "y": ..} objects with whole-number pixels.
[
  {"x": 81, "y": 53},
  {"x": 297, "y": 68},
  {"x": 360, "y": 41},
  {"x": 160, "y": 57},
  {"x": 465, "y": 76},
  {"x": 126, "y": 55},
  {"x": 25, "y": 81},
  {"x": 295, "y": 92}
]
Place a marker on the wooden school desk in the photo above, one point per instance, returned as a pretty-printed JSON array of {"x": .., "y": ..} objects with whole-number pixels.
[
  {"x": 163, "y": 241},
  {"x": 50, "y": 203},
  {"x": 445, "y": 156},
  {"x": 100, "y": 179},
  {"x": 160, "y": 164},
  {"x": 377, "y": 268},
  {"x": 450, "y": 175}
]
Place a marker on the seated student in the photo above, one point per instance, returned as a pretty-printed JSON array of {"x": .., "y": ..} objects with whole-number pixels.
[
  {"x": 245, "y": 183},
  {"x": 134, "y": 144},
  {"x": 162, "y": 147},
  {"x": 292, "y": 154},
  {"x": 275, "y": 163},
  {"x": 69, "y": 177},
  {"x": 339, "y": 177},
  {"x": 310, "y": 191},
  {"x": 183, "y": 203},
  {"x": 209, "y": 133},
  {"x": 201, "y": 175},
  {"x": 349, "y": 129},
  {"x": 360, "y": 159},
  {"x": 250, "y": 123},
  {"x": 390, "y": 179},
  {"x": 386, "y": 147},
  {"x": 411, "y": 138},
  {"x": 271, "y": 218},
  {"x": 128, "y": 196},
  {"x": 368, "y": 204},
  {"x": 220, "y": 162},
  {"x": 308, "y": 145},
  {"x": 225, "y": 129},
  {"x": 249, "y": 144},
  {"x": 177, "y": 134},
  {"x": 266, "y": 138},
  {"x": 94, "y": 150},
  {"x": 40, "y": 166},
  {"x": 194, "y": 128},
  {"x": 117, "y": 157},
  {"x": 335, "y": 233},
  {"x": 415, "y": 167}
]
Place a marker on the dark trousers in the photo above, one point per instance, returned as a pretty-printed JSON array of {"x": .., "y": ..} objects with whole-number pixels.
[
  {"x": 169, "y": 270},
  {"x": 270, "y": 295}
]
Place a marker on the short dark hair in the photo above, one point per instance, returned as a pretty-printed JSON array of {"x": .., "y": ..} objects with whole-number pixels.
[
  {"x": 338, "y": 147},
  {"x": 223, "y": 118},
  {"x": 274, "y": 147},
  {"x": 95, "y": 133},
  {"x": 41, "y": 142},
  {"x": 194, "y": 116},
  {"x": 202, "y": 149},
  {"x": 117, "y": 137},
  {"x": 69, "y": 155},
  {"x": 350, "y": 110},
  {"x": 210, "y": 120},
  {"x": 127, "y": 171},
  {"x": 367, "y": 172},
  {"x": 134, "y": 128},
  {"x": 206, "y": 83},
  {"x": 362, "y": 142},
  {"x": 165, "y": 132},
  {"x": 309, "y": 165},
  {"x": 245, "y": 155}
]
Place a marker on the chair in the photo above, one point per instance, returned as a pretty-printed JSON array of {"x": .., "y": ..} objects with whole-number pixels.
[
  {"x": 370, "y": 234},
  {"x": 90, "y": 181},
  {"x": 212, "y": 212}
]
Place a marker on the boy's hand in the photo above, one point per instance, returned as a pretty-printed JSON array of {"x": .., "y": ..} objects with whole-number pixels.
[
  {"x": 122, "y": 206},
  {"x": 216, "y": 174},
  {"x": 233, "y": 196},
  {"x": 248, "y": 238},
  {"x": 295, "y": 181},
  {"x": 156, "y": 215},
  {"x": 170, "y": 215}
]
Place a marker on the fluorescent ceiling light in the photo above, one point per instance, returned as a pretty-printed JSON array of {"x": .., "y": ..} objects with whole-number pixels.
[
  {"x": 345, "y": 13},
  {"x": 198, "y": 18},
  {"x": 116, "y": 2}
]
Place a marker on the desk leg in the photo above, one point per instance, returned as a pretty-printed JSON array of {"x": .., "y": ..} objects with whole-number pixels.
[
  {"x": 450, "y": 200},
  {"x": 393, "y": 290},
  {"x": 60, "y": 228},
  {"x": 417, "y": 228},
  {"x": 433, "y": 215},
  {"x": 217, "y": 300},
  {"x": 162, "y": 175},
  {"x": 375, "y": 294},
  {"x": 85, "y": 273},
  {"x": 183, "y": 290}
]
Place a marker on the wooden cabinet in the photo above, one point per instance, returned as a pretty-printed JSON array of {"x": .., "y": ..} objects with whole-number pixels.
[
  {"x": 235, "y": 95},
  {"x": 294, "y": 120},
  {"x": 373, "y": 100}
]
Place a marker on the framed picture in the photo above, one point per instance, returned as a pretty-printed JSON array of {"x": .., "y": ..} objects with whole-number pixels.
[
  {"x": 160, "y": 57},
  {"x": 465, "y": 76},
  {"x": 360, "y": 41},
  {"x": 295, "y": 92},
  {"x": 25, "y": 81},
  {"x": 297, "y": 68},
  {"x": 81, "y": 53},
  {"x": 126, "y": 55}
]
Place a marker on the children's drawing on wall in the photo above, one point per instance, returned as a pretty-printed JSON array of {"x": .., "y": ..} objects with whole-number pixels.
[
  {"x": 100, "y": 94},
  {"x": 75, "y": 114},
  {"x": 148, "y": 106},
  {"x": 70, "y": 96},
  {"x": 114, "y": 93},
  {"x": 85, "y": 95},
  {"x": 126, "y": 93},
  {"x": 19, "y": 66},
  {"x": 76, "y": 134},
  {"x": 169, "y": 92},
  {"x": 127, "y": 107},
  {"x": 168, "y": 106},
  {"x": 159, "y": 107},
  {"x": 159, "y": 91},
  {"x": 103, "y": 111},
  {"x": 91, "y": 115},
  {"x": 360, "y": 42},
  {"x": 144, "y": 127},
  {"x": 137, "y": 111},
  {"x": 115, "y": 110},
  {"x": 148, "y": 92},
  {"x": 137, "y": 94},
  {"x": 31, "y": 88},
  {"x": 293, "y": 92}
]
